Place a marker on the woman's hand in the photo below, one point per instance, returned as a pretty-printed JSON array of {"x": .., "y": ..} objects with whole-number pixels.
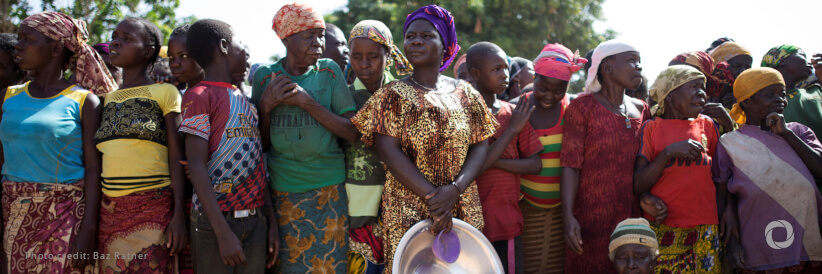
[
  {"x": 736, "y": 254},
  {"x": 84, "y": 246},
  {"x": 718, "y": 112},
  {"x": 442, "y": 224},
  {"x": 441, "y": 201},
  {"x": 776, "y": 122},
  {"x": 816, "y": 61},
  {"x": 300, "y": 99},
  {"x": 729, "y": 225},
  {"x": 280, "y": 89},
  {"x": 521, "y": 114},
  {"x": 573, "y": 233},
  {"x": 688, "y": 149},
  {"x": 654, "y": 206},
  {"x": 273, "y": 240}
]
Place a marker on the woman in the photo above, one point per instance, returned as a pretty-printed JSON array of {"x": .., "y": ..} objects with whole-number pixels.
[
  {"x": 305, "y": 160},
  {"x": 730, "y": 60},
  {"x": 600, "y": 135},
  {"x": 51, "y": 169},
  {"x": 541, "y": 210},
  {"x": 521, "y": 74},
  {"x": 431, "y": 132},
  {"x": 770, "y": 166},
  {"x": 674, "y": 164},
  {"x": 372, "y": 52},
  {"x": 803, "y": 87},
  {"x": 10, "y": 72}
]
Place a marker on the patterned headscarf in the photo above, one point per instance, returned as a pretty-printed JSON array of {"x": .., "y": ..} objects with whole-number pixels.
[
  {"x": 699, "y": 59},
  {"x": 378, "y": 32},
  {"x": 557, "y": 61},
  {"x": 296, "y": 17},
  {"x": 605, "y": 49},
  {"x": 777, "y": 54},
  {"x": 90, "y": 71},
  {"x": 459, "y": 62},
  {"x": 748, "y": 83},
  {"x": 728, "y": 50},
  {"x": 444, "y": 23},
  {"x": 670, "y": 79}
]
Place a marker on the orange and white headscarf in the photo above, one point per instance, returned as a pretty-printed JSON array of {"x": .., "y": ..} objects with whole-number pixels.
[
  {"x": 90, "y": 71},
  {"x": 296, "y": 17}
]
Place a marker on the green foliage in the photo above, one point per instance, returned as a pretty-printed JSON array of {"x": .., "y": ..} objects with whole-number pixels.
[
  {"x": 521, "y": 28},
  {"x": 101, "y": 16}
]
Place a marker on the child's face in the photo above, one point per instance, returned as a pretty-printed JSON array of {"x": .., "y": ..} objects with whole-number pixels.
[
  {"x": 237, "y": 56},
  {"x": 127, "y": 47},
  {"x": 548, "y": 91},
  {"x": 183, "y": 67},
  {"x": 368, "y": 59},
  {"x": 491, "y": 75}
]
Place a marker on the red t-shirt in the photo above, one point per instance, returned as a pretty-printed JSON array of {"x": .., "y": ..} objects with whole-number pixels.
[
  {"x": 686, "y": 187},
  {"x": 499, "y": 189}
]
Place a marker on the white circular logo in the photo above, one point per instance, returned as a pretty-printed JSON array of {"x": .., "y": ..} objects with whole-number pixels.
[{"x": 769, "y": 234}]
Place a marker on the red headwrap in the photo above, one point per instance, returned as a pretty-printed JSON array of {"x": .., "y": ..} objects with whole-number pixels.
[
  {"x": 557, "y": 61},
  {"x": 296, "y": 17}
]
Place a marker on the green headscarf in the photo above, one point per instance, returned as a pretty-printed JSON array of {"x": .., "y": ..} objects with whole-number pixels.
[{"x": 670, "y": 79}]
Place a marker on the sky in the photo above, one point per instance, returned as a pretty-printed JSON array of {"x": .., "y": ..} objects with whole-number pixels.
[{"x": 659, "y": 29}]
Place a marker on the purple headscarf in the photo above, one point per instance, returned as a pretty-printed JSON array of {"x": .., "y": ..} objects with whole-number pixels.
[
  {"x": 444, "y": 23},
  {"x": 101, "y": 48}
]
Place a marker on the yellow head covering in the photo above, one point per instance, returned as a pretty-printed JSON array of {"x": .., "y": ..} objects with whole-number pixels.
[
  {"x": 748, "y": 83},
  {"x": 670, "y": 79},
  {"x": 728, "y": 50}
]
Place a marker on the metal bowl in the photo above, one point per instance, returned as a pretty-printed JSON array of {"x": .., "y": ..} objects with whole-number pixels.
[{"x": 415, "y": 255}]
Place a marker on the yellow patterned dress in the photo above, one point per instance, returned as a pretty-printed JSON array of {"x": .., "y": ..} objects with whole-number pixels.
[{"x": 435, "y": 131}]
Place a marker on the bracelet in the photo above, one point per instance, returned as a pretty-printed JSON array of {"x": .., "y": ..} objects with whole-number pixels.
[{"x": 454, "y": 183}]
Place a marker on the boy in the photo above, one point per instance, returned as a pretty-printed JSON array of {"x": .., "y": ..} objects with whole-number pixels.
[
  {"x": 514, "y": 150},
  {"x": 232, "y": 219}
]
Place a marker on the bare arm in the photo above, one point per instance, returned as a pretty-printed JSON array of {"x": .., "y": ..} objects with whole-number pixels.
[
  {"x": 340, "y": 125},
  {"x": 472, "y": 167},
  {"x": 93, "y": 162},
  {"x": 176, "y": 231},
  {"x": 811, "y": 157},
  {"x": 568, "y": 186},
  {"x": 528, "y": 165}
]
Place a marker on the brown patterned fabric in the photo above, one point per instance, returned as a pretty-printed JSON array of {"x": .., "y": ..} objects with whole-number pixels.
[
  {"x": 91, "y": 73},
  {"x": 435, "y": 131},
  {"x": 543, "y": 241}
]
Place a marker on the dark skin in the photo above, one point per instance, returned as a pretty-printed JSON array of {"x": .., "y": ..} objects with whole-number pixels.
[
  {"x": 182, "y": 66},
  {"x": 131, "y": 50},
  {"x": 462, "y": 73},
  {"x": 46, "y": 58},
  {"x": 618, "y": 72},
  {"x": 634, "y": 259},
  {"x": 368, "y": 60},
  {"x": 739, "y": 63},
  {"x": 9, "y": 75},
  {"x": 548, "y": 93},
  {"x": 795, "y": 68},
  {"x": 336, "y": 47},
  {"x": 303, "y": 49},
  {"x": 816, "y": 62},
  {"x": 116, "y": 72},
  {"x": 425, "y": 50},
  {"x": 493, "y": 75}
]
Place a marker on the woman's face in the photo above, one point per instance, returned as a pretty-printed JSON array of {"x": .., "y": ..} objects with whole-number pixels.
[
  {"x": 634, "y": 259},
  {"x": 127, "y": 47},
  {"x": 548, "y": 91},
  {"x": 796, "y": 66},
  {"x": 688, "y": 99},
  {"x": 33, "y": 49},
  {"x": 368, "y": 59},
  {"x": 625, "y": 69},
  {"x": 766, "y": 101},
  {"x": 183, "y": 67},
  {"x": 423, "y": 45},
  {"x": 305, "y": 48},
  {"x": 739, "y": 63}
]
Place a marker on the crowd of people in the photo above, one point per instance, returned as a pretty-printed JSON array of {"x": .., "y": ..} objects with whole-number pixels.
[{"x": 159, "y": 158}]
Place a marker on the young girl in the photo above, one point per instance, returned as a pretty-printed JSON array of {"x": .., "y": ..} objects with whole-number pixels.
[
  {"x": 182, "y": 65},
  {"x": 141, "y": 219},
  {"x": 52, "y": 174}
]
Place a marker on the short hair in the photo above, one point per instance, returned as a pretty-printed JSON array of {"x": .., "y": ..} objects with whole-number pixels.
[
  {"x": 8, "y": 41},
  {"x": 180, "y": 31},
  {"x": 478, "y": 52},
  {"x": 206, "y": 35},
  {"x": 152, "y": 35}
]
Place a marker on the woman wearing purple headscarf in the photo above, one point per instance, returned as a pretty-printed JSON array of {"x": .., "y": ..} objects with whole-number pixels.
[{"x": 430, "y": 131}]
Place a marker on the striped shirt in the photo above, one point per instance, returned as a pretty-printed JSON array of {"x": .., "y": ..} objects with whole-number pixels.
[{"x": 542, "y": 190}]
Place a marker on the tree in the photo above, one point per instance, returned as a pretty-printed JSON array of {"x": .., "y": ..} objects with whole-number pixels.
[
  {"x": 521, "y": 28},
  {"x": 101, "y": 16}
]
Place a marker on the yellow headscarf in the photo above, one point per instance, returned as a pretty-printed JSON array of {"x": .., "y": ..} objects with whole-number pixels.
[
  {"x": 670, "y": 79},
  {"x": 748, "y": 83},
  {"x": 728, "y": 50}
]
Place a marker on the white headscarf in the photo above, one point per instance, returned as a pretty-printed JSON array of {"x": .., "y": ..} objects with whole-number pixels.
[{"x": 605, "y": 49}]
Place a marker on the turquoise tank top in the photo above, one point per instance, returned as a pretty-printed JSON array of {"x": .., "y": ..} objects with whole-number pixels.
[{"x": 42, "y": 138}]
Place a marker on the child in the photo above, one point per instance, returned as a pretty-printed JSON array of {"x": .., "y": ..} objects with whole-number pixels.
[
  {"x": 542, "y": 235},
  {"x": 514, "y": 150},
  {"x": 182, "y": 66},
  {"x": 142, "y": 217},
  {"x": 232, "y": 223},
  {"x": 10, "y": 73}
]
